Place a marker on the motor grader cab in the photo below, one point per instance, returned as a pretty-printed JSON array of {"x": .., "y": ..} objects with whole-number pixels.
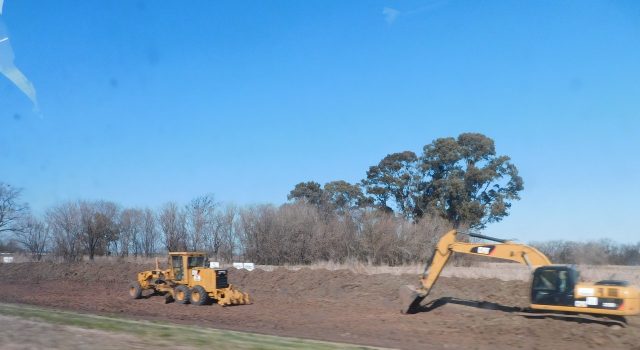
[
  {"x": 181, "y": 261},
  {"x": 555, "y": 288},
  {"x": 188, "y": 279}
]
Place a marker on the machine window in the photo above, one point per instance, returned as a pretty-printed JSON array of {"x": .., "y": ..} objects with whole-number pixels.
[
  {"x": 176, "y": 263},
  {"x": 196, "y": 261},
  {"x": 546, "y": 280}
]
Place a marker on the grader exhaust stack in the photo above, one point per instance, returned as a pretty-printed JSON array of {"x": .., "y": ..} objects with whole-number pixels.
[{"x": 189, "y": 280}]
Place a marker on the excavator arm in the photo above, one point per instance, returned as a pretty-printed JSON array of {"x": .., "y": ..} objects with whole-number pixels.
[{"x": 411, "y": 297}]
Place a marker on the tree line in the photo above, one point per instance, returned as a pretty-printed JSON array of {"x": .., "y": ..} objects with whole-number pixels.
[
  {"x": 600, "y": 252},
  {"x": 395, "y": 215},
  {"x": 293, "y": 233},
  {"x": 73, "y": 229}
]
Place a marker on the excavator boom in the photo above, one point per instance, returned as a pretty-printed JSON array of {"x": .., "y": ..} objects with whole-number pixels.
[{"x": 411, "y": 297}]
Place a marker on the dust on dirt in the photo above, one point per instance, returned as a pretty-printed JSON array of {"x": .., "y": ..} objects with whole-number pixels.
[{"x": 327, "y": 305}]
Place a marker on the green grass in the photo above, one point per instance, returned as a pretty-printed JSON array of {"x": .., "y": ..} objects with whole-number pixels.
[{"x": 192, "y": 336}]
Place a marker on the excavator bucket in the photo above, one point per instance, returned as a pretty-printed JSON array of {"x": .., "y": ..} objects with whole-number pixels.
[{"x": 410, "y": 299}]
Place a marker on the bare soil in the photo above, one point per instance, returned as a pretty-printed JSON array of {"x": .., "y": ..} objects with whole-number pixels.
[{"x": 326, "y": 305}]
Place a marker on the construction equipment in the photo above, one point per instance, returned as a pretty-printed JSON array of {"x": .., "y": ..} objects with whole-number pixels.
[
  {"x": 189, "y": 280},
  {"x": 554, "y": 288}
]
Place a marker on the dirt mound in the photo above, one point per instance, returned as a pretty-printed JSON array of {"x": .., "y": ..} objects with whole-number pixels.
[
  {"x": 380, "y": 288},
  {"x": 313, "y": 283},
  {"x": 319, "y": 304},
  {"x": 80, "y": 271}
]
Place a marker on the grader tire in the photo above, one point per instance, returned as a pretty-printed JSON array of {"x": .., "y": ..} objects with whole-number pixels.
[
  {"x": 199, "y": 296},
  {"x": 182, "y": 294},
  {"x": 135, "y": 290}
]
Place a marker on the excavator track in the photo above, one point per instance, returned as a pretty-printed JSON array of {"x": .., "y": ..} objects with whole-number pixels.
[{"x": 582, "y": 318}]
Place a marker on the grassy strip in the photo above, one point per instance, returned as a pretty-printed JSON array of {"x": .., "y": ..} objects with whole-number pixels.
[{"x": 168, "y": 333}]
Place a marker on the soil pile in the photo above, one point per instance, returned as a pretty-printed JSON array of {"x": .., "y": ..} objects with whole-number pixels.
[
  {"x": 80, "y": 271},
  {"x": 319, "y": 304}
]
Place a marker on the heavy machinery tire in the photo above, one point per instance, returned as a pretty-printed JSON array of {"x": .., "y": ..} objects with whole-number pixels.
[
  {"x": 199, "y": 296},
  {"x": 182, "y": 294},
  {"x": 135, "y": 290}
]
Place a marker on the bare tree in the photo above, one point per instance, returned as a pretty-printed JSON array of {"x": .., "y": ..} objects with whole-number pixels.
[
  {"x": 255, "y": 224},
  {"x": 173, "y": 224},
  {"x": 65, "y": 223},
  {"x": 11, "y": 209},
  {"x": 99, "y": 226},
  {"x": 33, "y": 236},
  {"x": 225, "y": 241},
  {"x": 298, "y": 228},
  {"x": 200, "y": 222},
  {"x": 301, "y": 233},
  {"x": 132, "y": 225},
  {"x": 339, "y": 237},
  {"x": 149, "y": 239},
  {"x": 378, "y": 239}
]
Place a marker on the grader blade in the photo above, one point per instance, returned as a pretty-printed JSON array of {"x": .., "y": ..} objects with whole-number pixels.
[{"x": 232, "y": 296}]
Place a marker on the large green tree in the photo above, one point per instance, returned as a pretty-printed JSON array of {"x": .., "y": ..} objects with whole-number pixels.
[
  {"x": 392, "y": 182},
  {"x": 465, "y": 181},
  {"x": 343, "y": 195},
  {"x": 336, "y": 195},
  {"x": 310, "y": 192},
  {"x": 461, "y": 179}
]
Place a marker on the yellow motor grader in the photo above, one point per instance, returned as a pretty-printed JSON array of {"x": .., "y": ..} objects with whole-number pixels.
[{"x": 189, "y": 280}]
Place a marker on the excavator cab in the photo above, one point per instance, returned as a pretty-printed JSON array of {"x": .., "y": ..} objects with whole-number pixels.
[{"x": 554, "y": 285}]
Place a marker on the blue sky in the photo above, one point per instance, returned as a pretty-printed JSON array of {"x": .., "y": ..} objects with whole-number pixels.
[{"x": 142, "y": 102}]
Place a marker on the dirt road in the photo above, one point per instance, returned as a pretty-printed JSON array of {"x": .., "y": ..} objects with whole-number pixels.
[{"x": 325, "y": 305}]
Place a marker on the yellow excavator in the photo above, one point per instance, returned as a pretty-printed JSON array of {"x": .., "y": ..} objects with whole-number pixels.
[{"x": 554, "y": 288}]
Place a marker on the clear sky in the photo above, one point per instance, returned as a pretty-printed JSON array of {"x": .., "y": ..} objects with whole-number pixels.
[{"x": 142, "y": 102}]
